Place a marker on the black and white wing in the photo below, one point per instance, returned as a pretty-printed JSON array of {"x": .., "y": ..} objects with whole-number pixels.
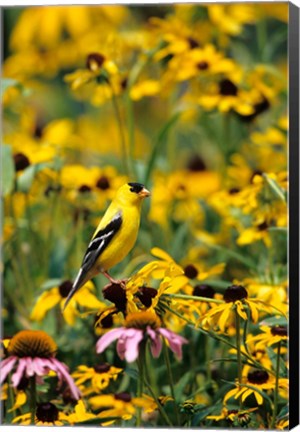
[
  {"x": 96, "y": 247},
  {"x": 100, "y": 242}
]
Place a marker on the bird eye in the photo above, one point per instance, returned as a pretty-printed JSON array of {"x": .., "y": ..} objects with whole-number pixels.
[{"x": 136, "y": 187}]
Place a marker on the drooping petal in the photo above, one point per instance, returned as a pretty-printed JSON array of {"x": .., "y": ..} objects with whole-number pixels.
[
  {"x": 29, "y": 366},
  {"x": 131, "y": 340},
  {"x": 62, "y": 370},
  {"x": 156, "y": 342},
  {"x": 6, "y": 366},
  {"x": 45, "y": 302},
  {"x": 108, "y": 338},
  {"x": 17, "y": 376},
  {"x": 41, "y": 366},
  {"x": 175, "y": 341}
]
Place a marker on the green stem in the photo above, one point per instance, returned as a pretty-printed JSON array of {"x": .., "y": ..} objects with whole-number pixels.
[
  {"x": 190, "y": 297},
  {"x": 238, "y": 351},
  {"x": 276, "y": 387},
  {"x": 171, "y": 381},
  {"x": 32, "y": 401},
  {"x": 207, "y": 357},
  {"x": 159, "y": 405},
  {"x": 125, "y": 157},
  {"x": 216, "y": 337},
  {"x": 131, "y": 137},
  {"x": 141, "y": 364}
]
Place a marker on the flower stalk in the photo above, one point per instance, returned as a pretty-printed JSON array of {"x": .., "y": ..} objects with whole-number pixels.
[
  {"x": 171, "y": 381},
  {"x": 32, "y": 402},
  {"x": 238, "y": 351},
  {"x": 275, "y": 408},
  {"x": 141, "y": 363}
]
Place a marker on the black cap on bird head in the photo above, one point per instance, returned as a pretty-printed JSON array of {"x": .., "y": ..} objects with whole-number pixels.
[{"x": 139, "y": 189}]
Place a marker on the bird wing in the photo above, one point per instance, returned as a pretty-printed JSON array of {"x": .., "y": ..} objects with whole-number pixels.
[
  {"x": 100, "y": 242},
  {"x": 97, "y": 245}
]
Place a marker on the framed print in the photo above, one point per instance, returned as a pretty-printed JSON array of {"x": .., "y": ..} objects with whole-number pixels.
[{"x": 150, "y": 201}]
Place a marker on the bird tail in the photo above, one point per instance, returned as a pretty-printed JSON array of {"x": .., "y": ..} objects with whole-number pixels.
[{"x": 80, "y": 280}]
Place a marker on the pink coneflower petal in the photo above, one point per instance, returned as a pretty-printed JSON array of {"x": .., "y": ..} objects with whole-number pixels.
[
  {"x": 156, "y": 342},
  {"x": 62, "y": 370},
  {"x": 6, "y": 367},
  {"x": 41, "y": 366},
  {"x": 17, "y": 376},
  {"x": 108, "y": 338},
  {"x": 174, "y": 340},
  {"x": 29, "y": 366},
  {"x": 132, "y": 339}
]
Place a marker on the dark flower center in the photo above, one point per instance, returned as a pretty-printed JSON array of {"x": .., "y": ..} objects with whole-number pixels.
[
  {"x": 196, "y": 164},
  {"x": 84, "y": 188},
  {"x": 47, "y": 412},
  {"x": 94, "y": 61},
  {"x": 125, "y": 397},
  {"x": 190, "y": 271},
  {"x": 228, "y": 88},
  {"x": 142, "y": 320},
  {"x": 32, "y": 343},
  {"x": 258, "y": 377},
  {"x": 102, "y": 368},
  {"x": 21, "y": 161},
  {"x": 106, "y": 322},
  {"x": 262, "y": 226},
  {"x": 203, "y": 291},
  {"x": 255, "y": 173},
  {"x": 103, "y": 183},
  {"x": 192, "y": 43},
  {"x": 279, "y": 331},
  {"x": 65, "y": 288},
  {"x": 234, "y": 293},
  {"x": 145, "y": 295},
  {"x": 234, "y": 191},
  {"x": 117, "y": 295},
  {"x": 259, "y": 108},
  {"x": 203, "y": 65}
]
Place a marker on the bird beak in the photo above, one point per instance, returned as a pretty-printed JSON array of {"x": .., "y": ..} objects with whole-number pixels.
[{"x": 144, "y": 193}]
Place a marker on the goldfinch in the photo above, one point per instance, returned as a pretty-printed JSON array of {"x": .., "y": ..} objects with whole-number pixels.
[{"x": 114, "y": 237}]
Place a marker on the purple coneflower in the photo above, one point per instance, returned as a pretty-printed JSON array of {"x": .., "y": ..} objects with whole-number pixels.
[
  {"x": 138, "y": 327},
  {"x": 32, "y": 352}
]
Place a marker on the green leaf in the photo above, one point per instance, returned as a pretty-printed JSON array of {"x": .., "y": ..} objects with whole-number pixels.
[
  {"x": 160, "y": 143},
  {"x": 25, "y": 180},
  {"x": 8, "y": 170},
  {"x": 274, "y": 320},
  {"x": 275, "y": 188},
  {"x": 50, "y": 283},
  {"x": 181, "y": 384},
  {"x": 133, "y": 373}
]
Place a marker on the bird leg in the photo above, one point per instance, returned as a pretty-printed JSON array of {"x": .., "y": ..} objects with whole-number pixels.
[{"x": 121, "y": 282}]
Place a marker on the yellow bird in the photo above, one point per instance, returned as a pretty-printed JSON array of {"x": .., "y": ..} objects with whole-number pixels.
[{"x": 114, "y": 237}]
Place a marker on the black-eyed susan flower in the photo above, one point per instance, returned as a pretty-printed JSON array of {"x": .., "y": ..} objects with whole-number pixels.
[
  {"x": 119, "y": 405},
  {"x": 269, "y": 336},
  {"x": 57, "y": 296},
  {"x": 141, "y": 326},
  {"x": 254, "y": 383},
  {"x": 32, "y": 354},
  {"x": 47, "y": 414},
  {"x": 95, "y": 379},
  {"x": 241, "y": 417},
  {"x": 235, "y": 299}
]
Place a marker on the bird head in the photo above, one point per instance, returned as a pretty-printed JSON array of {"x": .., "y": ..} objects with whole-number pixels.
[{"x": 132, "y": 193}]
